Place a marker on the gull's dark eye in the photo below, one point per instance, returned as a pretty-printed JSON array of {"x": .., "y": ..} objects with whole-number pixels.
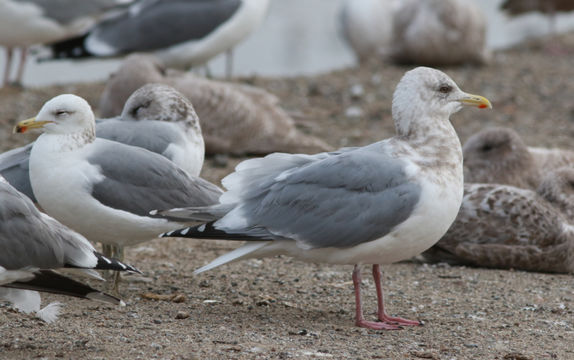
[
  {"x": 61, "y": 112},
  {"x": 445, "y": 89},
  {"x": 486, "y": 147},
  {"x": 139, "y": 107}
]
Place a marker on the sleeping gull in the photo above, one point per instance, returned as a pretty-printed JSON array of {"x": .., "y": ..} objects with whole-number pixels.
[
  {"x": 235, "y": 119},
  {"x": 101, "y": 188},
  {"x": 24, "y": 23},
  {"x": 155, "y": 117},
  {"x": 499, "y": 155},
  {"x": 32, "y": 244},
  {"x": 181, "y": 33},
  {"x": 550, "y": 7},
  {"x": 501, "y": 226},
  {"x": 377, "y": 204}
]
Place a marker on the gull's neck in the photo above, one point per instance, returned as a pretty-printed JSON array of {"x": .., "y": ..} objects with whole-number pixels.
[
  {"x": 69, "y": 141},
  {"x": 436, "y": 142}
]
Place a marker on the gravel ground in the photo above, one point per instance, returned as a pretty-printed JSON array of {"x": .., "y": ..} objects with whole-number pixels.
[{"x": 283, "y": 308}]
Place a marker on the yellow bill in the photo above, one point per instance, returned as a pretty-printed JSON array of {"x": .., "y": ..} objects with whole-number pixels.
[
  {"x": 27, "y": 124},
  {"x": 476, "y": 100}
]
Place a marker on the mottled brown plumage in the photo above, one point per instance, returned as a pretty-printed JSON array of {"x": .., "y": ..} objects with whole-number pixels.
[
  {"x": 498, "y": 155},
  {"x": 501, "y": 226},
  {"x": 235, "y": 119}
]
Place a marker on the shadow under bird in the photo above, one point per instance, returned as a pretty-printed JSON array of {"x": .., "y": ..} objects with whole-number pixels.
[
  {"x": 33, "y": 246},
  {"x": 377, "y": 204}
]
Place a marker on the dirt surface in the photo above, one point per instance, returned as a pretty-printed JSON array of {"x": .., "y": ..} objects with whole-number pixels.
[{"x": 283, "y": 308}]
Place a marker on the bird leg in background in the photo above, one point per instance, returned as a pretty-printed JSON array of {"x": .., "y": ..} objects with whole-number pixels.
[
  {"x": 382, "y": 315},
  {"x": 113, "y": 251},
  {"x": 229, "y": 63},
  {"x": 359, "y": 319},
  {"x": 9, "y": 52},
  {"x": 23, "y": 56}
]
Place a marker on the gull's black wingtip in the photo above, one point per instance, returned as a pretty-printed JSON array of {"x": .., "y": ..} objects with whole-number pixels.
[{"x": 105, "y": 263}]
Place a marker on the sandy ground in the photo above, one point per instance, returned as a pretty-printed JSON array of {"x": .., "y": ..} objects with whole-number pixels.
[{"x": 283, "y": 308}]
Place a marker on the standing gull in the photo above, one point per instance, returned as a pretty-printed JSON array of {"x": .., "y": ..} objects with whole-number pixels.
[
  {"x": 24, "y": 23},
  {"x": 182, "y": 33},
  {"x": 235, "y": 119},
  {"x": 101, "y": 188},
  {"x": 499, "y": 155},
  {"x": 32, "y": 244},
  {"x": 377, "y": 204},
  {"x": 501, "y": 226},
  {"x": 155, "y": 117}
]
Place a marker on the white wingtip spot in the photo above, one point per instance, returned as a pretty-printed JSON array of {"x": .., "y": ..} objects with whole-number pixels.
[
  {"x": 184, "y": 231},
  {"x": 153, "y": 212},
  {"x": 201, "y": 228},
  {"x": 107, "y": 260}
]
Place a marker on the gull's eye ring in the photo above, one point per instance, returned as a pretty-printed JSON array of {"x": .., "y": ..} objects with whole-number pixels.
[{"x": 445, "y": 89}]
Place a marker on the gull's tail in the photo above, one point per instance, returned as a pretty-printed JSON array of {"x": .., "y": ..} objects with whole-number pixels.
[{"x": 51, "y": 282}]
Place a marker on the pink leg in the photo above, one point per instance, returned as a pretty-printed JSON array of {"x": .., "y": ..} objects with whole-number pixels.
[
  {"x": 359, "y": 319},
  {"x": 382, "y": 314},
  {"x": 9, "y": 52},
  {"x": 20, "y": 73}
]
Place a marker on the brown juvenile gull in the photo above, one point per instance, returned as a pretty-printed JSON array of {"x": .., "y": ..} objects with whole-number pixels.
[
  {"x": 101, "y": 188},
  {"x": 501, "y": 226},
  {"x": 376, "y": 204},
  {"x": 24, "y": 23},
  {"x": 550, "y": 7},
  {"x": 155, "y": 117},
  {"x": 438, "y": 32},
  {"x": 33, "y": 244},
  {"x": 500, "y": 156},
  {"x": 235, "y": 119}
]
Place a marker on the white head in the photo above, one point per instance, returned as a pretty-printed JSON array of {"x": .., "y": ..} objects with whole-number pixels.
[
  {"x": 425, "y": 93},
  {"x": 64, "y": 114}
]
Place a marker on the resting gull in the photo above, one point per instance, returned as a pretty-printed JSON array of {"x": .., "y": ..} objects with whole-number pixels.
[
  {"x": 101, "y": 188},
  {"x": 24, "y": 23},
  {"x": 377, "y": 204},
  {"x": 438, "y": 32},
  {"x": 501, "y": 226},
  {"x": 155, "y": 117},
  {"x": 550, "y": 7},
  {"x": 182, "y": 33},
  {"x": 32, "y": 245},
  {"x": 499, "y": 155},
  {"x": 235, "y": 119},
  {"x": 367, "y": 26}
]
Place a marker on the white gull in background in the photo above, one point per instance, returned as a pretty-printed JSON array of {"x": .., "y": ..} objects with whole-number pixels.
[
  {"x": 32, "y": 245},
  {"x": 505, "y": 227},
  {"x": 24, "y": 23},
  {"x": 155, "y": 117},
  {"x": 235, "y": 119},
  {"x": 550, "y": 7},
  {"x": 182, "y": 33},
  {"x": 499, "y": 155},
  {"x": 377, "y": 204},
  {"x": 101, "y": 188},
  {"x": 367, "y": 26}
]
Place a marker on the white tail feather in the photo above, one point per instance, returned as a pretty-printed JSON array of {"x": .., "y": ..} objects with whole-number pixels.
[
  {"x": 50, "y": 313},
  {"x": 234, "y": 255}
]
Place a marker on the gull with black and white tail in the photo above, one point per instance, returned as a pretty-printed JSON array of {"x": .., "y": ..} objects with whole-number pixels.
[
  {"x": 101, "y": 188},
  {"x": 33, "y": 245},
  {"x": 377, "y": 204}
]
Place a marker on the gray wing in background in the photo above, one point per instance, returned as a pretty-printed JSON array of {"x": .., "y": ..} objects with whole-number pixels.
[
  {"x": 154, "y": 136},
  {"x": 340, "y": 201},
  {"x": 155, "y": 25},
  {"x": 138, "y": 181},
  {"x": 66, "y": 11},
  {"x": 14, "y": 167}
]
